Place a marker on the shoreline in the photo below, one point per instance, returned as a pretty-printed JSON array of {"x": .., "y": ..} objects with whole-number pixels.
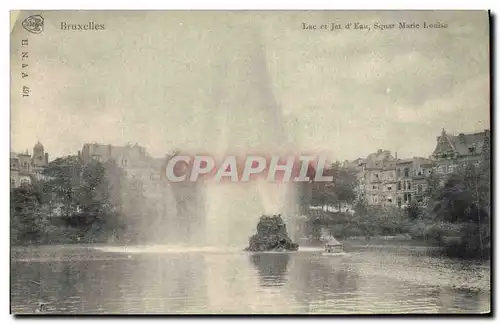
[
  {"x": 93, "y": 246},
  {"x": 91, "y": 251}
]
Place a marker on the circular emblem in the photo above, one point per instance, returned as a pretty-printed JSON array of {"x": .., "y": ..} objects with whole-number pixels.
[{"x": 33, "y": 24}]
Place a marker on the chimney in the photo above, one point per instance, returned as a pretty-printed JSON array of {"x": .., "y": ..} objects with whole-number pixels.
[
  {"x": 462, "y": 138},
  {"x": 396, "y": 155},
  {"x": 46, "y": 158}
]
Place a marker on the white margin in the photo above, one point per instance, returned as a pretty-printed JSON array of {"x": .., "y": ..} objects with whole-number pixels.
[{"x": 186, "y": 4}]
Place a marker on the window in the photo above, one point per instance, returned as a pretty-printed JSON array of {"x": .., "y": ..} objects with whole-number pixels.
[
  {"x": 12, "y": 182},
  {"x": 472, "y": 149},
  {"x": 124, "y": 162},
  {"x": 399, "y": 185},
  {"x": 374, "y": 187},
  {"x": 389, "y": 187},
  {"x": 407, "y": 172},
  {"x": 376, "y": 175},
  {"x": 409, "y": 185},
  {"x": 419, "y": 189}
]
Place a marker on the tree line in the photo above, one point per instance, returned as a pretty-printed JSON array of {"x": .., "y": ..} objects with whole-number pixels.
[{"x": 76, "y": 202}]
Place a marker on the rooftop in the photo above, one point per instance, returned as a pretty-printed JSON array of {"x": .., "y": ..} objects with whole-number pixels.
[
  {"x": 462, "y": 143},
  {"x": 333, "y": 241}
]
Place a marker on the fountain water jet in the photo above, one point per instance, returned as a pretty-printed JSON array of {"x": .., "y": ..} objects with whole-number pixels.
[{"x": 244, "y": 116}]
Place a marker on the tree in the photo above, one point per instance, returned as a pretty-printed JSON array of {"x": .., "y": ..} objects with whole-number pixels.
[
  {"x": 464, "y": 202},
  {"x": 364, "y": 217},
  {"x": 64, "y": 182},
  {"x": 336, "y": 193},
  {"x": 89, "y": 194},
  {"x": 460, "y": 199},
  {"x": 26, "y": 219},
  {"x": 414, "y": 211},
  {"x": 433, "y": 185}
]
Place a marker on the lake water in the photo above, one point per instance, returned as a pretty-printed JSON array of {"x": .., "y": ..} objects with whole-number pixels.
[{"x": 169, "y": 279}]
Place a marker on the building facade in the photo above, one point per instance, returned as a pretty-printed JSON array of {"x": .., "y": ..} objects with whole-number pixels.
[
  {"x": 453, "y": 151},
  {"x": 388, "y": 181},
  {"x": 377, "y": 177},
  {"x": 385, "y": 180},
  {"x": 411, "y": 176},
  {"x": 24, "y": 168}
]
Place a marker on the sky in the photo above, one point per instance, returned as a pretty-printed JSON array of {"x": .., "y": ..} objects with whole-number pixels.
[{"x": 221, "y": 80}]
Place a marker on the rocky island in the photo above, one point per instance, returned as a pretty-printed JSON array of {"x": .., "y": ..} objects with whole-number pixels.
[{"x": 271, "y": 236}]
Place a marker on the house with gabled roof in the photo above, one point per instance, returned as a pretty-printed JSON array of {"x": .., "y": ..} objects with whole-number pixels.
[{"x": 453, "y": 151}]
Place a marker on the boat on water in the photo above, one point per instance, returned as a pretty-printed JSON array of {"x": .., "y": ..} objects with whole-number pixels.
[{"x": 333, "y": 248}]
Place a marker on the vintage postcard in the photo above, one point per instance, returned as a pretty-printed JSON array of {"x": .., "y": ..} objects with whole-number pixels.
[{"x": 250, "y": 162}]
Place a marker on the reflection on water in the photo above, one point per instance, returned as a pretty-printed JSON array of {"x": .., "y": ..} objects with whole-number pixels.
[
  {"x": 272, "y": 268},
  {"x": 319, "y": 278},
  {"x": 77, "y": 280}
]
